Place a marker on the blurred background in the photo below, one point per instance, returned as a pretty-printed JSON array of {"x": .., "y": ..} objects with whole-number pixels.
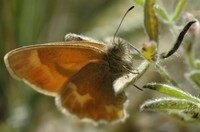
[{"x": 26, "y": 22}]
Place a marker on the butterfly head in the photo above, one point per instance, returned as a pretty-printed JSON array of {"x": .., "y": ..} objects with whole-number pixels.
[{"x": 118, "y": 57}]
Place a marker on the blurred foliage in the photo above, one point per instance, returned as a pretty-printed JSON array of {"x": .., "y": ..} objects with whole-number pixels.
[{"x": 25, "y": 22}]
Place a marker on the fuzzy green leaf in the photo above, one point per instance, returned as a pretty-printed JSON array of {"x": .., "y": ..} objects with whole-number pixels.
[
  {"x": 195, "y": 77},
  {"x": 150, "y": 20},
  {"x": 161, "y": 12},
  {"x": 178, "y": 9},
  {"x": 171, "y": 91},
  {"x": 179, "y": 108},
  {"x": 168, "y": 103}
]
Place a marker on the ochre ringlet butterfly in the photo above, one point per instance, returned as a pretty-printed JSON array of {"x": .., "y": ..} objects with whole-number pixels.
[
  {"x": 86, "y": 77},
  {"x": 79, "y": 73}
]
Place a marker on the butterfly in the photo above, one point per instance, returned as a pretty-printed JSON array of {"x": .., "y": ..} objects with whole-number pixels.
[{"x": 80, "y": 73}]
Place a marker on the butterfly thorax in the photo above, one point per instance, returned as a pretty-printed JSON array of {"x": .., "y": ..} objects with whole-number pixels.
[{"x": 118, "y": 59}]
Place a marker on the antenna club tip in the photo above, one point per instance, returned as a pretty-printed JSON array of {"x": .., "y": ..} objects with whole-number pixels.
[{"x": 131, "y": 8}]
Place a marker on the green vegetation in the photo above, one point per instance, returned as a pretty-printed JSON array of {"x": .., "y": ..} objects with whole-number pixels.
[{"x": 26, "y": 22}]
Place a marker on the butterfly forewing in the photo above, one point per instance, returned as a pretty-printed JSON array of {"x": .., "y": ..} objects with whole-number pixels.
[{"x": 47, "y": 67}]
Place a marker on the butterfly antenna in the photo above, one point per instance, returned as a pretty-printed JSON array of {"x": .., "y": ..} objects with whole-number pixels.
[
  {"x": 137, "y": 87},
  {"x": 122, "y": 21}
]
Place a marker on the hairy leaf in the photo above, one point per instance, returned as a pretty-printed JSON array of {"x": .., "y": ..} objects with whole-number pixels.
[{"x": 171, "y": 91}]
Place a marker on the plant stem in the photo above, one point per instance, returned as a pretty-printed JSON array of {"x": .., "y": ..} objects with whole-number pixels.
[{"x": 166, "y": 75}]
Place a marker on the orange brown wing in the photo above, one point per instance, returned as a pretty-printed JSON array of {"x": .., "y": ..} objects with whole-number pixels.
[
  {"x": 47, "y": 67},
  {"x": 90, "y": 95}
]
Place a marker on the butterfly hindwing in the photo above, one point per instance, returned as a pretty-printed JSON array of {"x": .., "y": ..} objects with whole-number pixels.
[{"x": 90, "y": 94}]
